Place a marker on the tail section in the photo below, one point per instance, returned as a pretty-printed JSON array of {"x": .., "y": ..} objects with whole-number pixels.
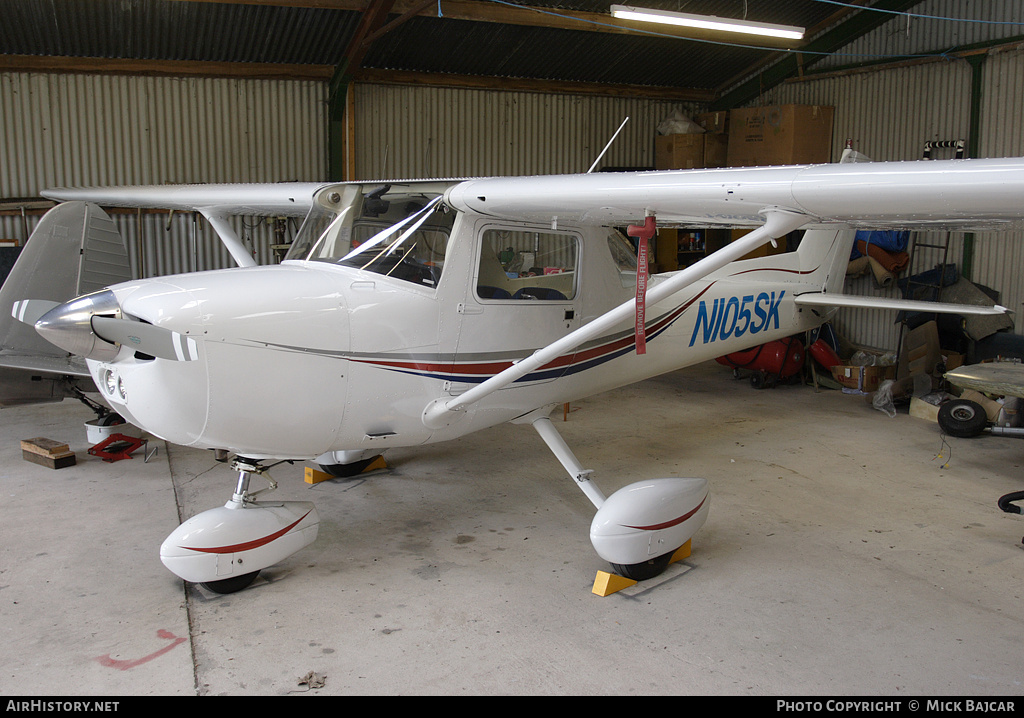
[
  {"x": 824, "y": 255},
  {"x": 74, "y": 250}
]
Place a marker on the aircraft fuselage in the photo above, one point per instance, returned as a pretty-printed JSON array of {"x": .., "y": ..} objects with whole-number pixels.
[{"x": 309, "y": 357}]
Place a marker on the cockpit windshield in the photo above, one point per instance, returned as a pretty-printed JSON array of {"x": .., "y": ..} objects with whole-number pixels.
[{"x": 397, "y": 230}]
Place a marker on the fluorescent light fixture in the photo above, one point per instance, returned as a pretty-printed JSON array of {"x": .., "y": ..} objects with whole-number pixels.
[{"x": 706, "y": 22}]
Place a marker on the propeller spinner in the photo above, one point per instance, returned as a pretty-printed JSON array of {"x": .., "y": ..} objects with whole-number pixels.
[{"x": 93, "y": 326}]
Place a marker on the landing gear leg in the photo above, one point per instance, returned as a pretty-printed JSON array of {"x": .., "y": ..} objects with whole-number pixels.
[
  {"x": 224, "y": 549},
  {"x": 564, "y": 454},
  {"x": 641, "y": 526},
  {"x": 240, "y": 498}
]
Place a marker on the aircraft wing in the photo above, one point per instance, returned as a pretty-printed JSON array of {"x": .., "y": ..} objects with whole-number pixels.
[
  {"x": 979, "y": 194},
  {"x": 950, "y": 194},
  {"x": 284, "y": 199},
  {"x": 216, "y": 202}
]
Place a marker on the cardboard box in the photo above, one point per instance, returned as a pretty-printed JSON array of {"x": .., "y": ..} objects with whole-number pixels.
[
  {"x": 690, "y": 151},
  {"x": 715, "y": 122},
  {"x": 991, "y": 406},
  {"x": 923, "y": 410},
  {"x": 679, "y": 152},
  {"x": 954, "y": 360},
  {"x": 862, "y": 378},
  {"x": 716, "y": 150},
  {"x": 780, "y": 135}
]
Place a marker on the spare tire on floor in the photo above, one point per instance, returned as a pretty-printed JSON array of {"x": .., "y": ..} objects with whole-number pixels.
[{"x": 962, "y": 418}]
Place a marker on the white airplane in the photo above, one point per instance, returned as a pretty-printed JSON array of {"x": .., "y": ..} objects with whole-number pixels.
[{"x": 411, "y": 312}]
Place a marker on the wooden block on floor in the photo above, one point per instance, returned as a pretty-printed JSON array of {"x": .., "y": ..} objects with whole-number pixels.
[
  {"x": 47, "y": 452},
  {"x": 45, "y": 447}
]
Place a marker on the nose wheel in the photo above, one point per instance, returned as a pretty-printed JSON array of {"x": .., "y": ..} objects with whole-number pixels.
[
  {"x": 231, "y": 585},
  {"x": 225, "y": 548}
]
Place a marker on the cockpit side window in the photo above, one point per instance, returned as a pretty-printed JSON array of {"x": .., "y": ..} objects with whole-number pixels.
[
  {"x": 400, "y": 232},
  {"x": 624, "y": 256},
  {"x": 527, "y": 264}
]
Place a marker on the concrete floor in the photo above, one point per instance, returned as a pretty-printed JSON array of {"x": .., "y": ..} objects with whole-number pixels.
[{"x": 840, "y": 557}]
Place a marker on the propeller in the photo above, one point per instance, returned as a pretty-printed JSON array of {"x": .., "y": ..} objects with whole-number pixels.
[
  {"x": 146, "y": 338},
  {"x": 91, "y": 326}
]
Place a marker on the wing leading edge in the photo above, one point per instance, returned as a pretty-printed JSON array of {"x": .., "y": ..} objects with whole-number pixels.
[
  {"x": 981, "y": 194},
  {"x": 283, "y": 199}
]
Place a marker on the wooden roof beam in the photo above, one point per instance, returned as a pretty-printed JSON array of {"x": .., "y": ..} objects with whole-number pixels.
[
  {"x": 478, "y": 11},
  {"x": 169, "y": 68},
  {"x": 488, "y": 82}
]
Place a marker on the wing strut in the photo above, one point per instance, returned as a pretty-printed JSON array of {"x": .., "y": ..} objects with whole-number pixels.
[
  {"x": 778, "y": 222},
  {"x": 227, "y": 235}
]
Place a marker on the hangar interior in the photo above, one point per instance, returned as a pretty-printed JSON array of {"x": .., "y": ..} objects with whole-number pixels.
[{"x": 854, "y": 544}]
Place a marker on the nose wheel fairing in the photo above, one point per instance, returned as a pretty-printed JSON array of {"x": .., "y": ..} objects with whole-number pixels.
[
  {"x": 224, "y": 548},
  {"x": 238, "y": 539}
]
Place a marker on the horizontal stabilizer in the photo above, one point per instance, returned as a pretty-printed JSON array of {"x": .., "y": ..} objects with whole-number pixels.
[
  {"x": 66, "y": 365},
  {"x": 903, "y": 305}
]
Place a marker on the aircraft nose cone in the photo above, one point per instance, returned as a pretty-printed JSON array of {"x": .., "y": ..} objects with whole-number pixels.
[{"x": 69, "y": 325}]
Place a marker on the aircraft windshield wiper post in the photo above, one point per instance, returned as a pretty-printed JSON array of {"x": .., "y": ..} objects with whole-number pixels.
[{"x": 778, "y": 222}]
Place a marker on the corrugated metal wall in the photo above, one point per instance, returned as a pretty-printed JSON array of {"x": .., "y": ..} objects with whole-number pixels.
[
  {"x": 889, "y": 114},
  {"x": 82, "y": 130},
  {"x": 999, "y": 258},
  {"x": 929, "y": 30},
  {"x": 416, "y": 132}
]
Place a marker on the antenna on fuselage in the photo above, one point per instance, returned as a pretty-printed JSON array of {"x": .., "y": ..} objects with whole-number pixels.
[{"x": 608, "y": 145}]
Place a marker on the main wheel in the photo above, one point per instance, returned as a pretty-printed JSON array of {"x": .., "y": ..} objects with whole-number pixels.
[
  {"x": 962, "y": 418},
  {"x": 344, "y": 471},
  {"x": 231, "y": 585},
  {"x": 646, "y": 570}
]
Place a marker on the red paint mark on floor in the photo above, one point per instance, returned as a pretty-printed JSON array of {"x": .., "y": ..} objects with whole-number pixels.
[{"x": 127, "y": 665}]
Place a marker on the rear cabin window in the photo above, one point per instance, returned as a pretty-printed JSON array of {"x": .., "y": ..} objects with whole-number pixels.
[{"x": 527, "y": 265}]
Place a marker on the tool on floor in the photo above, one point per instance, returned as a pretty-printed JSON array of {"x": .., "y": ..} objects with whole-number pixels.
[{"x": 120, "y": 446}]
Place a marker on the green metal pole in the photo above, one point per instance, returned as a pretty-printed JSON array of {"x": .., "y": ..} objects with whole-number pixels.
[
  {"x": 337, "y": 93},
  {"x": 977, "y": 63}
]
